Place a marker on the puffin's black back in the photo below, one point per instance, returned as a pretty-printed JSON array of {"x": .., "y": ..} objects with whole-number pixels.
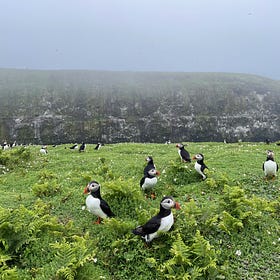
[
  {"x": 106, "y": 208},
  {"x": 185, "y": 154}
]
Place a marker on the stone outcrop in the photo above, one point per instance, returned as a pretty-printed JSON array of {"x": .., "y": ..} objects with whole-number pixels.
[{"x": 74, "y": 106}]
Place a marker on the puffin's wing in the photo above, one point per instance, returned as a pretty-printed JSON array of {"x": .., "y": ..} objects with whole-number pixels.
[
  {"x": 106, "y": 208},
  {"x": 203, "y": 167},
  {"x": 142, "y": 181},
  {"x": 263, "y": 166},
  {"x": 151, "y": 226},
  {"x": 147, "y": 168},
  {"x": 185, "y": 155},
  {"x": 277, "y": 167}
]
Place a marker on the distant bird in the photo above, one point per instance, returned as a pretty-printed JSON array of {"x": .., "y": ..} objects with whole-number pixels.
[
  {"x": 74, "y": 147},
  {"x": 6, "y": 146},
  {"x": 98, "y": 146},
  {"x": 148, "y": 182},
  {"x": 270, "y": 167},
  {"x": 200, "y": 165},
  {"x": 150, "y": 165},
  {"x": 162, "y": 222},
  {"x": 184, "y": 155},
  {"x": 82, "y": 147},
  {"x": 94, "y": 202},
  {"x": 43, "y": 150}
]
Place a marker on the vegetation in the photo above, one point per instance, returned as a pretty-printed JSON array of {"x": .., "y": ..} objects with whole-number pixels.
[{"x": 227, "y": 228}]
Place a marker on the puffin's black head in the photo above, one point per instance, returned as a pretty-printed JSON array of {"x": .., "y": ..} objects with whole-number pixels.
[
  {"x": 198, "y": 157},
  {"x": 93, "y": 186},
  {"x": 180, "y": 145},
  {"x": 149, "y": 159},
  {"x": 270, "y": 154},
  {"x": 168, "y": 202}
]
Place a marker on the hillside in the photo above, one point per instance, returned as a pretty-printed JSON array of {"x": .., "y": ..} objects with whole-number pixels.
[{"x": 91, "y": 106}]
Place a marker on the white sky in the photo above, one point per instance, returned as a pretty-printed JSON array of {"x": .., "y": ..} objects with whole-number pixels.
[{"x": 142, "y": 35}]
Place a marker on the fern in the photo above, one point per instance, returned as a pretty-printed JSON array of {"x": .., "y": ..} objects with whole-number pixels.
[
  {"x": 204, "y": 254},
  {"x": 117, "y": 227},
  {"x": 21, "y": 226},
  {"x": 238, "y": 209},
  {"x": 229, "y": 223},
  {"x": 72, "y": 255},
  {"x": 179, "y": 264},
  {"x": 6, "y": 272},
  {"x": 190, "y": 261}
]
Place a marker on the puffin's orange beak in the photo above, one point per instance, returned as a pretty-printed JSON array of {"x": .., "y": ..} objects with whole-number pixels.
[
  {"x": 157, "y": 173},
  {"x": 177, "y": 206},
  {"x": 86, "y": 190},
  {"x": 193, "y": 157}
]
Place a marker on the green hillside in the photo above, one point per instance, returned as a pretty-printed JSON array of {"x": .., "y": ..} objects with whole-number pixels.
[{"x": 227, "y": 227}]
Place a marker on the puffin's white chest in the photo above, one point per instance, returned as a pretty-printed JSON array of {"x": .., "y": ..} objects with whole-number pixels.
[
  {"x": 166, "y": 223},
  {"x": 270, "y": 168},
  {"x": 149, "y": 183},
  {"x": 43, "y": 151},
  {"x": 179, "y": 152},
  {"x": 93, "y": 206},
  {"x": 197, "y": 167}
]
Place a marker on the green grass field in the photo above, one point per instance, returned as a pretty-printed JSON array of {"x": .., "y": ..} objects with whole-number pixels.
[{"x": 227, "y": 228}]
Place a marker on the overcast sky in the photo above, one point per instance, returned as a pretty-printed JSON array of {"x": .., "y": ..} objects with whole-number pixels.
[{"x": 142, "y": 35}]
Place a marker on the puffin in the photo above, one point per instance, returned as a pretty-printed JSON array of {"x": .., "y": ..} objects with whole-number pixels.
[
  {"x": 5, "y": 146},
  {"x": 150, "y": 165},
  {"x": 163, "y": 221},
  {"x": 82, "y": 147},
  {"x": 270, "y": 167},
  {"x": 200, "y": 165},
  {"x": 184, "y": 154},
  {"x": 149, "y": 180},
  {"x": 98, "y": 146},
  {"x": 74, "y": 147},
  {"x": 95, "y": 204},
  {"x": 44, "y": 150}
]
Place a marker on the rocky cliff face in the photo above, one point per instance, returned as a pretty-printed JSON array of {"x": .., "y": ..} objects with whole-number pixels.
[{"x": 74, "y": 106}]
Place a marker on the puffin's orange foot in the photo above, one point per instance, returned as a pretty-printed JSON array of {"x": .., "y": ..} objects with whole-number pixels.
[
  {"x": 98, "y": 221},
  {"x": 153, "y": 196}
]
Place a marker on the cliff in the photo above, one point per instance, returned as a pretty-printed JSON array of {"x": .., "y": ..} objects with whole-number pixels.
[{"x": 92, "y": 106}]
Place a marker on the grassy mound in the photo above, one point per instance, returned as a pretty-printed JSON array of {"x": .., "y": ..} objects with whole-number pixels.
[{"x": 227, "y": 228}]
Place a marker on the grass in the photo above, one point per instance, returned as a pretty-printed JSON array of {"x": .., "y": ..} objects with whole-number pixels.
[{"x": 227, "y": 228}]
